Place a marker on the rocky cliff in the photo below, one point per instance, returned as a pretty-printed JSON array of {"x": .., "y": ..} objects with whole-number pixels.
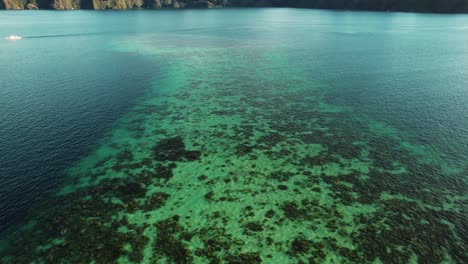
[{"x": 439, "y": 6}]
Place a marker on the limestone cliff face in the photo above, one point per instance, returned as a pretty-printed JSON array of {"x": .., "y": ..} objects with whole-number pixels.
[
  {"x": 440, "y": 6},
  {"x": 15, "y": 4},
  {"x": 117, "y": 4},
  {"x": 155, "y": 4},
  {"x": 158, "y": 4},
  {"x": 65, "y": 4},
  {"x": 40, "y": 4}
]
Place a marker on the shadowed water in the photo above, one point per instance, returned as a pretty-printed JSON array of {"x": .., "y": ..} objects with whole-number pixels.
[{"x": 268, "y": 135}]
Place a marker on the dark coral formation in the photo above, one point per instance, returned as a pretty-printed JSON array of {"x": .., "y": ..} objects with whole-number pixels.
[
  {"x": 173, "y": 149},
  {"x": 169, "y": 245},
  {"x": 248, "y": 258},
  {"x": 86, "y": 226}
]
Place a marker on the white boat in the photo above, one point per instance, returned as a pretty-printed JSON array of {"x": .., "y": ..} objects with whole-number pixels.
[{"x": 13, "y": 37}]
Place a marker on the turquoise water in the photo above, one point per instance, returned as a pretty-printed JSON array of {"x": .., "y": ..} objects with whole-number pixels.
[{"x": 235, "y": 135}]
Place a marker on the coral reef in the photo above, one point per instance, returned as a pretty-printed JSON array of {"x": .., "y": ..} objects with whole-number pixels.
[{"x": 218, "y": 165}]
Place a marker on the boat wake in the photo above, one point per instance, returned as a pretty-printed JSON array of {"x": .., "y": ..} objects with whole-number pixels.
[
  {"x": 13, "y": 37},
  {"x": 63, "y": 35}
]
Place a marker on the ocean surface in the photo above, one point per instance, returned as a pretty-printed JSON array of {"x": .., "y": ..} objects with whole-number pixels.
[{"x": 233, "y": 136}]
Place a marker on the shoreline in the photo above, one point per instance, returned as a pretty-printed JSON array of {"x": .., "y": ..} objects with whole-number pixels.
[{"x": 461, "y": 12}]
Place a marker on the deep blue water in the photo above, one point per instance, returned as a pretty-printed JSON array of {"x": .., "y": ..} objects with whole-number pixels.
[{"x": 61, "y": 90}]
